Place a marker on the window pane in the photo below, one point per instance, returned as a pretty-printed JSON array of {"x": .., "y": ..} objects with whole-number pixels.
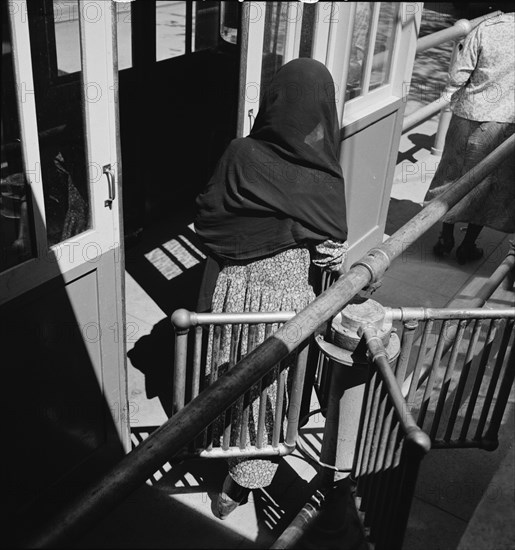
[
  {"x": 273, "y": 40},
  {"x": 124, "y": 34},
  {"x": 170, "y": 29},
  {"x": 206, "y": 24},
  {"x": 67, "y": 37},
  {"x": 307, "y": 30},
  {"x": 385, "y": 39},
  {"x": 359, "y": 49},
  {"x": 16, "y": 235},
  {"x": 62, "y": 149},
  {"x": 229, "y": 20}
]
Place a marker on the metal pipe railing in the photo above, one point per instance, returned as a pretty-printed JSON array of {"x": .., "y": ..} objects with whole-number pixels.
[
  {"x": 235, "y": 325},
  {"x": 183, "y": 427},
  {"x": 464, "y": 381},
  {"x": 426, "y": 313},
  {"x": 406, "y": 420},
  {"x": 501, "y": 273},
  {"x": 459, "y": 30},
  {"x": 397, "y": 456},
  {"x": 425, "y": 112}
]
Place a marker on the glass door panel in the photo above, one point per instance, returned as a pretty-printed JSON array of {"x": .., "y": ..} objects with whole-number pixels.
[
  {"x": 385, "y": 39},
  {"x": 59, "y": 109},
  {"x": 67, "y": 36},
  {"x": 274, "y": 41},
  {"x": 124, "y": 34},
  {"x": 359, "y": 49},
  {"x": 170, "y": 29},
  {"x": 16, "y": 228}
]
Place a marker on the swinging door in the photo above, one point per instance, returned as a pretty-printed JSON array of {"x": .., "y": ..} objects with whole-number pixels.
[
  {"x": 61, "y": 290},
  {"x": 369, "y": 47}
]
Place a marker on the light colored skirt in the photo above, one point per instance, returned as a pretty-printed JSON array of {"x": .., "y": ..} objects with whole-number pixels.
[
  {"x": 492, "y": 201},
  {"x": 278, "y": 283}
]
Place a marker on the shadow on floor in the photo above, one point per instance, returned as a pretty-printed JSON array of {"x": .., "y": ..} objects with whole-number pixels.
[
  {"x": 151, "y": 519},
  {"x": 399, "y": 213},
  {"x": 420, "y": 141},
  {"x": 153, "y": 356},
  {"x": 167, "y": 262},
  {"x": 175, "y": 510}
]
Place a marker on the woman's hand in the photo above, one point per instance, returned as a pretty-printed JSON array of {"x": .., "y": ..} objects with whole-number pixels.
[{"x": 329, "y": 255}]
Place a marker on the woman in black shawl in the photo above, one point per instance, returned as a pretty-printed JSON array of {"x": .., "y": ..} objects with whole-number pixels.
[{"x": 274, "y": 207}]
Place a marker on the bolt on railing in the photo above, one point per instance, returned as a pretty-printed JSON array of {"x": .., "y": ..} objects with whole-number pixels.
[{"x": 138, "y": 465}]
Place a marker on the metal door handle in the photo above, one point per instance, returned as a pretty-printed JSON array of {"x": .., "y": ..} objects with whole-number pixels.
[
  {"x": 109, "y": 172},
  {"x": 252, "y": 118}
]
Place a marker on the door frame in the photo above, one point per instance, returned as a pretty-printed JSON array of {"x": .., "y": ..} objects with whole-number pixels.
[{"x": 99, "y": 248}]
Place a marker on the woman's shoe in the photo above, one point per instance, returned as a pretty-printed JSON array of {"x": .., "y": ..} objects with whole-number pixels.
[
  {"x": 443, "y": 246},
  {"x": 466, "y": 254},
  {"x": 231, "y": 497}
]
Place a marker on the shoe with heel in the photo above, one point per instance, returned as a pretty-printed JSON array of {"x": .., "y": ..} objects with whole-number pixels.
[
  {"x": 468, "y": 253},
  {"x": 231, "y": 497},
  {"x": 443, "y": 246}
]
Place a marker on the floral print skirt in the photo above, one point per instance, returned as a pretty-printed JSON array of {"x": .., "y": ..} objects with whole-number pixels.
[{"x": 282, "y": 282}]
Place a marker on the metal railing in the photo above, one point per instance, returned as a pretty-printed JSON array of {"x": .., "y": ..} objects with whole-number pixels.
[
  {"x": 454, "y": 399},
  {"x": 138, "y": 465},
  {"x": 455, "y": 33},
  {"x": 503, "y": 275},
  {"x": 389, "y": 452},
  {"x": 397, "y": 433},
  {"x": 197, "y": 366}
]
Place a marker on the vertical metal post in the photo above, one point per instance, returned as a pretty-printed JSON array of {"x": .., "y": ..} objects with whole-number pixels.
[
  {"x": 349, "y": 376},
  {"x": 296, "y": 397},
  {"x": 445, "y": 117},
  {"x": 481, "y": 369},
  {"x": 494, "y": 378},
  {"x": 441, "y": 132},
  {"x": 343, "y": 418},
  {"x": 181, "y": 321},
  {"x": 490, "y": 439}
]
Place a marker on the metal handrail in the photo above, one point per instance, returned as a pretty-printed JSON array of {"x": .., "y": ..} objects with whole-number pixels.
[
  {"x": 133, "y": 470},
  {"x": 425, "y": 112},
  {"x": 411, "y": 434},
  {"x": 425, "y": 313},
  {"x": 406, "y": 420},
  {"x": 459, "y": 30},
  {"x": 475, "y": 304},
  {"x": 184, "y": 320}
]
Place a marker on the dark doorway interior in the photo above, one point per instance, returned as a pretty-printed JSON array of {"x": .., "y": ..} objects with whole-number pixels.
[{"x": 177, "y": 109}]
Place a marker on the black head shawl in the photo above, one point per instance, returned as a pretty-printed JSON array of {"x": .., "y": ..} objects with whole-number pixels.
[{"x": 282, "y": 186}]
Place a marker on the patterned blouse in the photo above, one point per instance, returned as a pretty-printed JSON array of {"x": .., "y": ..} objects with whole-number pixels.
[{"x": 482, "y": 77}]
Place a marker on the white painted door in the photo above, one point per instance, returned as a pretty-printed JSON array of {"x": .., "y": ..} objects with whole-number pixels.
[
  {"x": 61, "y": 272},
  {"x": 369, "y": 47}
]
